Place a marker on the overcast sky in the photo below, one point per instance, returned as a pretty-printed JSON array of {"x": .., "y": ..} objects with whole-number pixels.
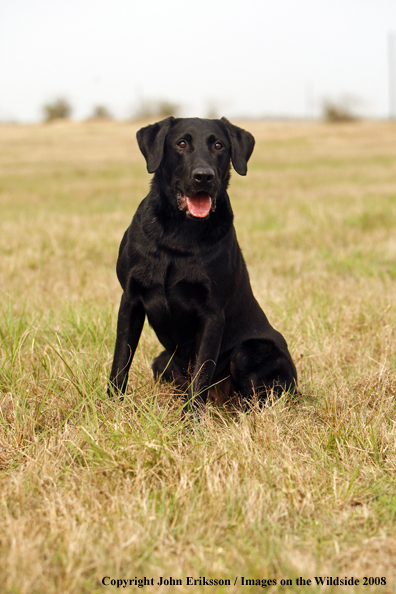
[{"x": 244, "y": 57}]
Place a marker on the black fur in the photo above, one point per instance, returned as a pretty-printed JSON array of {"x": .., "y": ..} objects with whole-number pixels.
[{"x": 187, "y": 273}]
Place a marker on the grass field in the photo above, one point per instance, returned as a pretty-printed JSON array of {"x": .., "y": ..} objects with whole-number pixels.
[{"x": 91, "y": 488}]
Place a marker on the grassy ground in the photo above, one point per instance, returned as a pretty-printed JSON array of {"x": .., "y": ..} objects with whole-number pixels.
[{"x": 91, "y": 488}]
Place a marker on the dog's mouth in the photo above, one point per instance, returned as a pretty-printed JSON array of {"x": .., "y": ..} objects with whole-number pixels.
[{"x": 198, "y": 205}]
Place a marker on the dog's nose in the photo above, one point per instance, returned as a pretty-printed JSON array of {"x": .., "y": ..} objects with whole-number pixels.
[{"x": 203, "y": 175}]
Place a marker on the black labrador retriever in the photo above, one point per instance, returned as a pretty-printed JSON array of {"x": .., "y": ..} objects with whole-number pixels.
[{"x": 180, "y": 264}]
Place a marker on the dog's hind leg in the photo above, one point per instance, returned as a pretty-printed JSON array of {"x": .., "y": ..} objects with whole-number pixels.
[{"x": 259, "y": 366}]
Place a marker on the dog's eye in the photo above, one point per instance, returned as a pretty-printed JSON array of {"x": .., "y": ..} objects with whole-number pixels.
[
  {"x": 182, "y": 144},
  {"x": 218, "y": 146}
]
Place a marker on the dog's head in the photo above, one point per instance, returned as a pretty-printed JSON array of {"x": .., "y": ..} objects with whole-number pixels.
[{"x": 191, "y": 158}]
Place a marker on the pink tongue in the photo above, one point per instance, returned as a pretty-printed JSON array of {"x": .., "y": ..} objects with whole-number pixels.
[{"x": 199, "y": 205}]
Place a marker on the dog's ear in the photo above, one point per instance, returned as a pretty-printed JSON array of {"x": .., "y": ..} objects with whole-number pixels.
[
  {"x": 151, "y": 140},
  {"x": 242, "y": 145}
]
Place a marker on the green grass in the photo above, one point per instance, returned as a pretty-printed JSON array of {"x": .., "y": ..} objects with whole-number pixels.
[{"x": 93, "y": 487}]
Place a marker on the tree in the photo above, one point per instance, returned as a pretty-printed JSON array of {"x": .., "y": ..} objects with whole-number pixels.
[
  {"x": 341, "y": 110},
  {"x": 100, "y": 112},
  {"x": 156, "y": 109},
  {"x": 57, "y": 110}
]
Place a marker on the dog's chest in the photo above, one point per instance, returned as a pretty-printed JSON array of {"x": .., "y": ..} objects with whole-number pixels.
[{"x": 172, "y": 291}]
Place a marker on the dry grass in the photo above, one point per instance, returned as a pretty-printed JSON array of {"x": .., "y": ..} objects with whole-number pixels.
[{"x": 91, "y": 487}]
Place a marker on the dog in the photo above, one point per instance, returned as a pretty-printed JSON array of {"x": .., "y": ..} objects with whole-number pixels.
[{"x": 180, "y": 265}]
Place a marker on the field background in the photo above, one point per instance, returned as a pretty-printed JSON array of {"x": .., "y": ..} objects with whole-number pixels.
[{"x": 91, "y": 487}]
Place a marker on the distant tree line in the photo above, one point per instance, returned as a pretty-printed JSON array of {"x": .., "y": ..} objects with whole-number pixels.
[
  {"x": 334, "y": 111},
  {"x": 61, "y": 109}
]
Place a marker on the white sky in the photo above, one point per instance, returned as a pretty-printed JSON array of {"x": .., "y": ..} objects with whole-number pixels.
[{"x": 248, "y": 57}]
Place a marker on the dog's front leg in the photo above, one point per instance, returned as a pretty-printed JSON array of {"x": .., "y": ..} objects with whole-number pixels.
[
  {"x": 129, "y": 327},
  {"x": 208, "y": 352}
]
